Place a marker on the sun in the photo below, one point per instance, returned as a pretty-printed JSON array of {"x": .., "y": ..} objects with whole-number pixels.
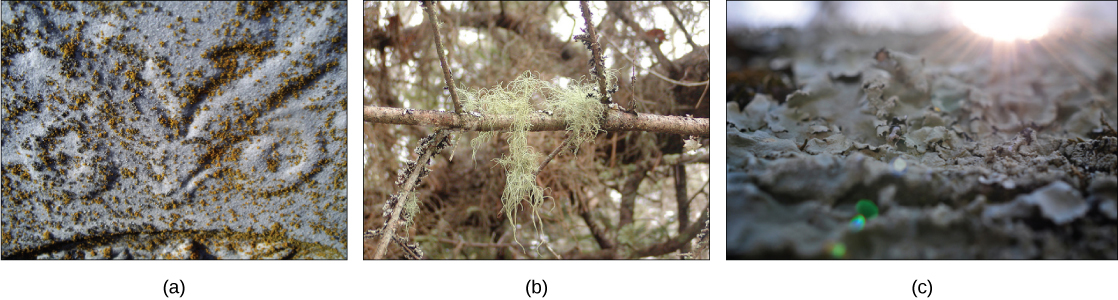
[{"x": 1008, "y": 21}]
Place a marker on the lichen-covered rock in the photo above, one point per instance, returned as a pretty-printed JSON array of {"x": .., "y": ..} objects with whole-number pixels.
[
  {"x": 1094, "y": 155},
  {"x": 924, "y": 139},
  {"x": 1104, "y": 192},
  {"x": 183, "y": 119},
  {"x": 966, "y": 157},
  {"x": 1058, "y": 202},
  {"x": 759, "y": 143}
]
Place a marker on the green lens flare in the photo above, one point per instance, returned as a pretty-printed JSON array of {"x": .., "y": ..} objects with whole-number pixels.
[
  {"x": 838, "y": 251},
  {"x": 858, "y": 223},
  {"x": 866, "y": 208}
]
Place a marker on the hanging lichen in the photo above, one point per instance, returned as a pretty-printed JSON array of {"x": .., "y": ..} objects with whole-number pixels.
[{"x": 577, "y": 104}]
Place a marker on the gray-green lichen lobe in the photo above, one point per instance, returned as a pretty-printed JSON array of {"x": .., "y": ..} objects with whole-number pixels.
[{"x": 192, "y": 120}]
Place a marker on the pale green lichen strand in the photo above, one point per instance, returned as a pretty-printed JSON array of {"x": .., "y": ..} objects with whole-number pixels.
[{"x": 578, "y": 104}]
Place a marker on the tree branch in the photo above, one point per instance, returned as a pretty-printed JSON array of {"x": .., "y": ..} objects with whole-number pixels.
[
  {"x": 671, "y": 10},
  {"x": 614, "y": 121},
  {"x": 661, "y": 248},
  {"x": 554, "y": 153},
  {"x": 413, "y": 176},
  {"x": 629, "y": 195},
  {"x": 442, "y": 58},
  {"x": 597, "y": 231},
  {"x": 677, "y": 242},
  {"x": 682, "y": 202},
  {"x": 476, "y": 245},
  {"x": 554, "y": 46},
  {"x": 618, "y": 10},
  {"x": 591, "y": 41}
]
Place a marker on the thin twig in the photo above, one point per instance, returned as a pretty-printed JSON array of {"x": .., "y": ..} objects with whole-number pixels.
[
  {"x": 442, "y": 58},
  {"x": 665, "y": 78},
  {"x": 677, "y": 82},
  {"x": 702, "y": 190},
  {"x": 703, "y": 95},
  {"x": 618, "y": 10},
  {"x": 671, "y": 10},
  {"x": 548, "y": 246},
  {"x": 595, "y": 50},
  {"x": 476, "y": 245},
  {"x": 410, "y": 253},
  {"x": 665, "y": 247},
  {"x": 553, "y": 153}
]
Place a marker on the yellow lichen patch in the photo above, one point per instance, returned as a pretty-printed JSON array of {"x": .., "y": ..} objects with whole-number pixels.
[{"x": 260, "y": 9}]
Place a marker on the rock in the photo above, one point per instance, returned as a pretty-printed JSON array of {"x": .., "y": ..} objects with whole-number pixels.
[
  {"x": 1058, "y": 202},
  {"x": 1007, "y": 211},
  {"x": 759, "y": 143},
  {"x": 922, "y": 138},
  {"x": 175, "y": 119},
  {"x": 1104, "y": 192}
]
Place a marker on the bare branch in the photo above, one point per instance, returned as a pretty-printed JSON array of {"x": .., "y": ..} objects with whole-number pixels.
[
  {"x": 614, "y": 121},
  {"x": 629, "y": 195},
  {"x": 597, "y": 231},
  {"x": 553, "y": 153},
  {"x": 442, "y": 58},
  {"x": 677, "y": 82},
  {"x": 617, "y": 9},
  {"x": 477, "y": 245},
  {"x": 671, "y": 10},
  {"x": 591, "y": 39},
  {"x": 665, "y": 78},
  {"x": 677, "y": 242},
  {"x": 658, "y": 249},
  {"x": 683, "y": 203}
]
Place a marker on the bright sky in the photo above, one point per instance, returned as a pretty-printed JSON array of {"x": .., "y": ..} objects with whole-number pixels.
[
  {"x": 1002, "y": 20},
  {"x": 769, "y": 14},
  {"x": 1027, "y": 20}
]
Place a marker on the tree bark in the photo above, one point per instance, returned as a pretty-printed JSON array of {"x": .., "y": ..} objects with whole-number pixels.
[
  {"x": 629, "y": 195},
  {"x": 683, "y": 205}
]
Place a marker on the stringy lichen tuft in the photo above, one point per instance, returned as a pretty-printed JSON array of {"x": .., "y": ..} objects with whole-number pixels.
[{"x": 578, "y": 104}]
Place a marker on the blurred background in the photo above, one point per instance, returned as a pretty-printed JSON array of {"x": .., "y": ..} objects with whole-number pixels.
[{"x": 909, "y": 16}]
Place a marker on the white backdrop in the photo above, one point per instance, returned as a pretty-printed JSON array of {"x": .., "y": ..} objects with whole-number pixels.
[{"x": 717, "y": 278}]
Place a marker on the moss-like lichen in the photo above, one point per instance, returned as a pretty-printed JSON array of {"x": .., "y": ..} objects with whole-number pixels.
[
  {"x": 411, "y": 208},
  {"x": 578, "y": 104}
]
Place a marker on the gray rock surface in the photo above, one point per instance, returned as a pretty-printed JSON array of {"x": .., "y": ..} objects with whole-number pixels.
[{"x": 174, "y": 130}]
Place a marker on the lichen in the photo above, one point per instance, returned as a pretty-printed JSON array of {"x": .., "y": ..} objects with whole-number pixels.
[{"x": 578, "y": 104}]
